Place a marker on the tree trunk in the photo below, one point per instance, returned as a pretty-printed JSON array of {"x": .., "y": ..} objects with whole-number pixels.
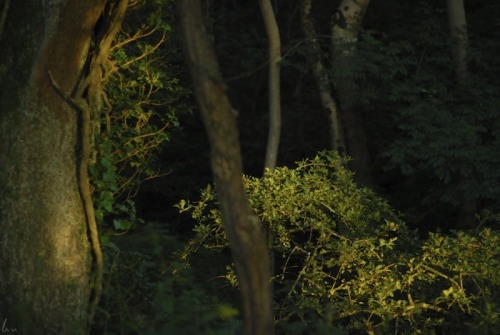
[
  {"x": 243, "y": 227},
  {"x": 457, "y": 24},
  {"x": 273, "y": 137},
  {"x": 458, "y": 35},
  {"x": 45, "y": 259},
  {"x": 321, "y": 77},
  {"x": 345, "y": 30},
  {"x": 273, "y": 35}
]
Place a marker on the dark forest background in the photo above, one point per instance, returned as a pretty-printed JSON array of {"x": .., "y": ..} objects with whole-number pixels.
[
  {"x": 433, "y": 151},
  {"x": 428, "y": 144}
]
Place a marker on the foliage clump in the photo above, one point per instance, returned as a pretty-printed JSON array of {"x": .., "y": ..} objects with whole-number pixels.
[
  {"x": 344, "y": 261},
  {"x": 140, "y": 105},
  {"x": 446, "y": 134},
  {"x": 147, "y": 292}
]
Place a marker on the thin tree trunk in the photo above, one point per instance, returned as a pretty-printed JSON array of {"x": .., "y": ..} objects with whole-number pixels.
[
  {"x": 322, "y": 80},
  {"x": 458, "y": 33},
  {"x": 273, "y": 35},
  {"x": 243, "y": 227},
  {"x": 273, "y": 137},
  {"x": 346, "y": 24},
  {"x": 457, "y": 24}
]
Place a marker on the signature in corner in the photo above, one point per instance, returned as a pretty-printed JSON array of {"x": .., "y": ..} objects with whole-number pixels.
[{"x": 7, "y": 329}]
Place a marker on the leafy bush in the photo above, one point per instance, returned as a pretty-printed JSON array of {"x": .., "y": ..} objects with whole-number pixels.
[
  {"x": 148, "y": 292},
  {"x": 344, "y": 260},
  {"x": 447, "y": 130}
]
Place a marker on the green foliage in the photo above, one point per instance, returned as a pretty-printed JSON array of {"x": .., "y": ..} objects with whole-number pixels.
[
  {"x": 344, "y": 260},
  {"x": 376, "y": 65},
  {"x": 192, "y": 310},
  {"x": 447, "y": 131},
  {"x": 445, "y": 134},
  {"x": 140, "y": 104},
  {"x": 148, "y": 292}
]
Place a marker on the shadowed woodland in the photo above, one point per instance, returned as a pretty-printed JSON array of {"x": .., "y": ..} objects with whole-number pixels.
[{"x": 250, "y": 167}]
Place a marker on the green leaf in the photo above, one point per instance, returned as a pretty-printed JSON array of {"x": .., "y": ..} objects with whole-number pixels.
[{"x": 122, "y": 224}]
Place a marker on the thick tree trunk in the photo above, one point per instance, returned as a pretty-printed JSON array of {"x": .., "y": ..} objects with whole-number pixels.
[
  {"x": 45, "y": 259},
  {"x": 345, "y": 30},
  {"x": 243, "y": 227},
  {"x": 321, "y": 77},
  {"x": 273, "y": 35}
]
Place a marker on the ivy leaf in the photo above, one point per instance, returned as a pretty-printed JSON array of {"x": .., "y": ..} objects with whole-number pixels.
[{"x": 122, "y": 224}]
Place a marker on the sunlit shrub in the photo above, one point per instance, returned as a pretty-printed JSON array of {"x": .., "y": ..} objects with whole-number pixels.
[{"x": 344, "y": 260}]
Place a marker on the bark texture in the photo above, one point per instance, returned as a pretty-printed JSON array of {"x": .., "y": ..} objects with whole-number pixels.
[
  {"x": 243, "y": 227},
  {"x": 346, "y": 24},
  {"x": 45, "y": 259}
]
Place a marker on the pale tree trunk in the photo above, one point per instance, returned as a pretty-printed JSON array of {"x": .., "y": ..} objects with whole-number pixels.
[
  {"x": 46, "y": 257},
  {"x": 273, "y": 35},
  {"x": 243, "y": 227},
  {"x": 346, "y": 24},
  {"x": 457, "y": 24},
  {"x": 321, "y": 77},
  {"x": 273, "y": 137}
]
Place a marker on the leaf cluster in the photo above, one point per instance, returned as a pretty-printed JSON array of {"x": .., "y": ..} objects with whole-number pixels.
[{"x": 139, "y": 109}]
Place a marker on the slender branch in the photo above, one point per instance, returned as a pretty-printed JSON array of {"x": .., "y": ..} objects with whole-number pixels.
[
  {"x": 148, "y": 134},
  {"x": 137, "y": 36},
  {"x": 146, "y": 53}
]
